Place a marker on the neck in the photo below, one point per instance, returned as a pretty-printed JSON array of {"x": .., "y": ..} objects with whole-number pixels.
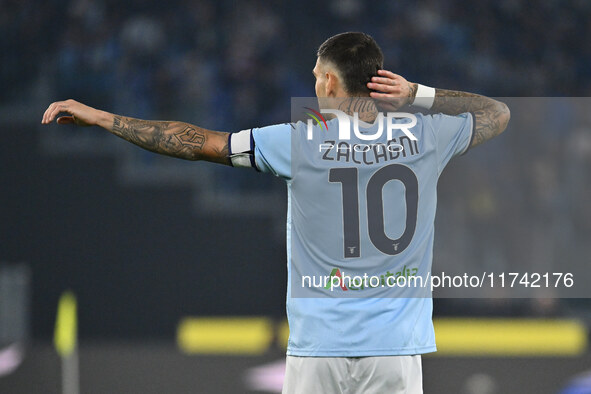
[{"x": 365, "y": 107}]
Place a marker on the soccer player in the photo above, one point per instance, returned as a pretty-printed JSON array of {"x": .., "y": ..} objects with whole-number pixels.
[{"x": 360, "y": 202}]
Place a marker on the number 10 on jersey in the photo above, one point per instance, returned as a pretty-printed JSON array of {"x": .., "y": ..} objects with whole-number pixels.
[{"x": 349, "y": 179}]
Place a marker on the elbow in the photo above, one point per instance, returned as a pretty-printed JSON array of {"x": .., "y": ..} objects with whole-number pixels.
[{"x": 504, "y": 116}]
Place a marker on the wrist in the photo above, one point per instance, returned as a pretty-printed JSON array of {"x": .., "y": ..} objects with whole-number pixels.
[
  {"x": 412, "y": 92},
  {"x": 104, "y": 119},
  {"x": 424, "y": 96}
]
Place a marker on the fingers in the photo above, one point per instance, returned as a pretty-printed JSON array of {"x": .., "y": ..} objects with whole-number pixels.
[
  {"x": 386, "y": 81},
  {"x": 384, "y": 87},
  {"x": 50, "y": 112},
  {"x": 385, "y": 97},
  {"x": 382, "y": 96},
  {"x": 46, "y": 116},
  {"x": 65, "y": 120},
  {"x": 53, "y": 110},
  {"x": 388, "y": 74}
]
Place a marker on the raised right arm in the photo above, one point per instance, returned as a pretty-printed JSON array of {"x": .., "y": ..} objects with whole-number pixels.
[
  {"x": 171, "y": 138},
  {"x": 490, "y": 116}
]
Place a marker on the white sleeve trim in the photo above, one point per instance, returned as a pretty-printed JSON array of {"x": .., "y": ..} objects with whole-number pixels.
[
  {"x": 425, "y": 97},
  {"x": 241, "y": 146}
]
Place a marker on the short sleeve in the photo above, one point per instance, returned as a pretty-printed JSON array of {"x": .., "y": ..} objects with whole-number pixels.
[
  {"x": 453, "y": 135},
  {"x": 272, "y": 149}
]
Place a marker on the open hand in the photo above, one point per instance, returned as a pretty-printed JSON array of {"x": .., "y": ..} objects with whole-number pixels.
[
  {"x": 391, "y": 90},
  {"x": 79, "y": 114}
]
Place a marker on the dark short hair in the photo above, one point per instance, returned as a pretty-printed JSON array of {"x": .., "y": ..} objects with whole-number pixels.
[{"x": 357, "y": 57}]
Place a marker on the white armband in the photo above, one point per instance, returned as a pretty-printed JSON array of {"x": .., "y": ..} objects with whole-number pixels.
[
  {"x": 424, "y": 97},
  {"x": 241, "y": 149}
]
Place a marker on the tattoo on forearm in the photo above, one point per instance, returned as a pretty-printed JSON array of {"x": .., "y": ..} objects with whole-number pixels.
[
  {"x": 453, "y": 102},
  {"x": 190, "y": 137},
  {"x": 172, "y": 138},
  {"x": 490, "y": 116}
]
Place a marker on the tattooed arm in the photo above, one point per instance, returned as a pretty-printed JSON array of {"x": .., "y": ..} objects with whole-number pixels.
[
  {"x": 490, "y": 116},
  {"x": 175, "y": 139}
]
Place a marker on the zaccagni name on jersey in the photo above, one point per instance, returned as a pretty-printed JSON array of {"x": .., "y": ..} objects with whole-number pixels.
[{"x": 370, "y": 153}]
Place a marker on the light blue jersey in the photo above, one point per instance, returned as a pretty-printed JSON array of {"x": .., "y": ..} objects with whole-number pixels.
[{"x": 358, "y": 207}]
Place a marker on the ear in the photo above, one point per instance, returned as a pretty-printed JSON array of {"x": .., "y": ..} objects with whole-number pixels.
[{"x": 332, "y": 84}]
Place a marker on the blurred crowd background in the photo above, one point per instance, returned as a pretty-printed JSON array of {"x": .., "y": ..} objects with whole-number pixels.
[
  {"x": 230, "y": 65},
  {"x": 235, "y": 63}
]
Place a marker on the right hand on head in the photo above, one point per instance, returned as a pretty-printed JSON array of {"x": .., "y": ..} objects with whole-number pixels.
[
  {"x": 78, "y": 113},
  {"x": 391, "y": 91}
]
